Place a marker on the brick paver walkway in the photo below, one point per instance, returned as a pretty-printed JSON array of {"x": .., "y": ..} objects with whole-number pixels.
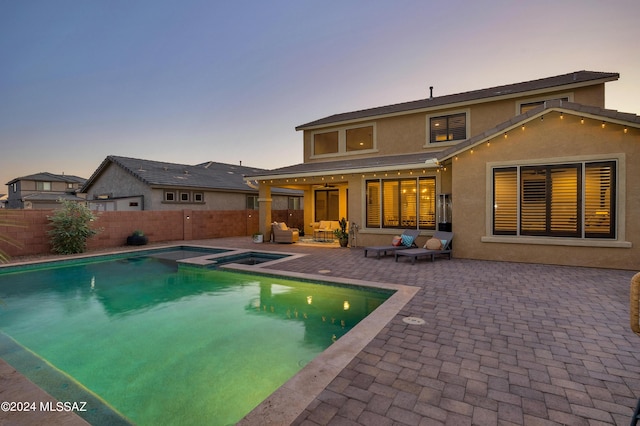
[{"x": 504, "y": 343}]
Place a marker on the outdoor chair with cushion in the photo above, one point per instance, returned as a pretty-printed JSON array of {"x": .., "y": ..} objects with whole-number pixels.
[
  {"x": 438, "y": 245},
  {"x": 323, "y": 230},
  {"x": 284, "y": 234},
  {"x": 403, "y": 242}
]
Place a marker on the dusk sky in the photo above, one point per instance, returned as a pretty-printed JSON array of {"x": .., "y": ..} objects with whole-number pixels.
[{"x": 193, "y": 81}]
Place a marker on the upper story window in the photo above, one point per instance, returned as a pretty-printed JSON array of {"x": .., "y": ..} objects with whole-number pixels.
[
  {"x": 344, "y": 140},
  {"x": 527, "y": 106},
  {"x": 448, "y": 128},
  {"x": 43, "y": 186},
  {"x": 359, "y": 138},
  {"x": 325, "y": 143}
]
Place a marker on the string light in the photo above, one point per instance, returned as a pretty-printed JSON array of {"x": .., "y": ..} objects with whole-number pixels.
[
  {"x": 603, "y": 124},
  {"x": 581, "y": 120}
]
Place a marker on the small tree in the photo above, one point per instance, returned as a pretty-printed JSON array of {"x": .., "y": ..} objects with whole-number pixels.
[{"x": 71, "y": 227}]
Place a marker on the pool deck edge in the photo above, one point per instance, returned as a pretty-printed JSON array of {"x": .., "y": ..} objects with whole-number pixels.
[{"x": 289, "y": 401}]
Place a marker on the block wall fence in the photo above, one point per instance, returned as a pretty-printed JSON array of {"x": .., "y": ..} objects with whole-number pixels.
[{"x": 159, "y": 226}]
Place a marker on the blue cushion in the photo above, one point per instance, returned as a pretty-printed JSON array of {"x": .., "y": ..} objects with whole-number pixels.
[
  {"x": 444, "y": 243},
  {"x": 407, "y": 240}
]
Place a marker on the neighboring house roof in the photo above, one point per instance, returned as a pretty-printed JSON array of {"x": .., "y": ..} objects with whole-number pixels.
[
  {"x": 350, "y": 166},
  {"x": 586, "y": 111},
  {"x": 49, "y": 177},
  {"x": 210, "y": 175},
  {"x": 568, "y": 81},
  {"x": 51, "y": 197}
]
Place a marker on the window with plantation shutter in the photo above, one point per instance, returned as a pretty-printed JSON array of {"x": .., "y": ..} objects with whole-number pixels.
[
  {"x": 373, "y": 204},
  {"x": 448, "y": 128},
  {"x": 568, "y": 200},
  {"x": 406, "y": 203},
  {"x": 427, "y": 204},
  {"x": 505, "y": 201},
  {"x": 599, "y": 194},
  {"x": 390, "y": 205}
]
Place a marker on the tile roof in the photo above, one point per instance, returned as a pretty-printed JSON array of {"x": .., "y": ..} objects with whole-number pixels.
[
  {"x": 43, "y": 196},
  {"x": 49, "y": 177},
  {"x": 209, "y": 175},
  {"x": 553, "y": 105},
  {"x": 351, "y": 165},
  {"x": 577, "y": 78}
]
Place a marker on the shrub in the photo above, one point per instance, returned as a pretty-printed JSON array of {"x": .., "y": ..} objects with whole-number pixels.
[{"x": 71, "y": 228}]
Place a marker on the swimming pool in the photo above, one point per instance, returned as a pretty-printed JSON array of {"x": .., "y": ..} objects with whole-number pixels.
[{"x": 163, "y": 343}]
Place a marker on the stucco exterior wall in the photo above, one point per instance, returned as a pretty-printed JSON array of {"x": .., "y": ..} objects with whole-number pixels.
[
  {"x": 116, "y": 182},
  {"x": 407, "y": 133},
  {"x": 544, "y": 142}
]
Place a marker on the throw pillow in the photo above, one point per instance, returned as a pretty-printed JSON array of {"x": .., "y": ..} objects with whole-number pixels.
[
  {"x": 433, "y": 244},
  {"x": 407, "y": 240},
  {"x": 396, "y": 241}
]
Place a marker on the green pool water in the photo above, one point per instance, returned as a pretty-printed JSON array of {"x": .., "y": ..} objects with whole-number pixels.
[{"x": 163, "y": 344}]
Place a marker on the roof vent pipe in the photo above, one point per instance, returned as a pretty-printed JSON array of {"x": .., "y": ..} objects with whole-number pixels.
[{"x": 430, "y": 92}]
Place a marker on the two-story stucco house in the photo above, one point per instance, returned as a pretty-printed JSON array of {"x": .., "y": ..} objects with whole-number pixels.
[
  {"x": 536, "y": 171},
  {"x": 42, "y": 190},
  {"x": 123, "y": 183}
]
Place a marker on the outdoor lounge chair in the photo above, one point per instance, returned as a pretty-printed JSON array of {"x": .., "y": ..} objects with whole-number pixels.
[
  {"x": 392, "y": 248},
  {"x": 414, "y": 253},
  {"x": 284, "y": 234}
]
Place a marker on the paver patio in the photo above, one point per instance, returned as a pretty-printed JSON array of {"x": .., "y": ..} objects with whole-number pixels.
[{"x": 503, "y": 343}]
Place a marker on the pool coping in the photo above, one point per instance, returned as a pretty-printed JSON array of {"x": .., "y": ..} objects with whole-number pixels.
[
  {"x": 285, "y": 404},
  {"x": 289, "y": 401}
]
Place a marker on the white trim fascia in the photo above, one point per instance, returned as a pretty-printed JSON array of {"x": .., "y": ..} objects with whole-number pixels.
[{"x": 428, "y": 164}]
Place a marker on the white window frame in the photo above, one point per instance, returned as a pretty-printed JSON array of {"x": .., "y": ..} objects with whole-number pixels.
[{"x": 342, "y": 141}]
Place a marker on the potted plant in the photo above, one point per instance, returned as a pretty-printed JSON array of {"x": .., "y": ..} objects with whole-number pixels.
[
  {"x": 258, "y": 238},
  {"x": 341, "y": 233},
  {"x": 137, "y": 238}
]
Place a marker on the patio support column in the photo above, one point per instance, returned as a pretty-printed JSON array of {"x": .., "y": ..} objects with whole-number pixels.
[{"x": 264, "y": 203}]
